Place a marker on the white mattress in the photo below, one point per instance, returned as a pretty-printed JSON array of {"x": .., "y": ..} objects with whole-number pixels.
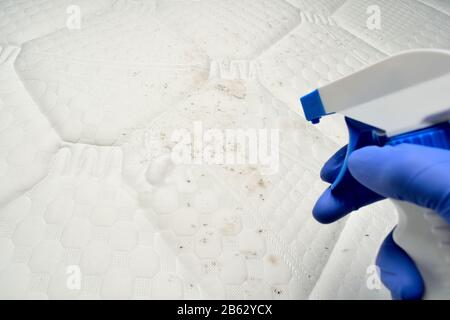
[{"x": 81, "y": 186}]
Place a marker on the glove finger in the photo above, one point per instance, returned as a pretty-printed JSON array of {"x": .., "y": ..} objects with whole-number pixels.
[
  {"x": 332, "y": 167},
  {"x": 331, "y": 207},
  {"x": 412, "y": 173},
  {"x": 398, "y": 272}
]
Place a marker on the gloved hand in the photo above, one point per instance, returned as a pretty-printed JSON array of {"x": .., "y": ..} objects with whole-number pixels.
[{"x": 417, "y": 174}]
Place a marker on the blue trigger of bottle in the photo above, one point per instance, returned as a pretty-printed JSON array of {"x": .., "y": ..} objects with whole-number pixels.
[{"x": 362, "y": 135}]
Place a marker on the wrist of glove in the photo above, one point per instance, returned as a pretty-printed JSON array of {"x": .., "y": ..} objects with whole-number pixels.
[{"x": 417, "y": 174}]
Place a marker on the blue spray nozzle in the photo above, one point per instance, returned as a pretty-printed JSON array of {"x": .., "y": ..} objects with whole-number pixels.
[{"x": 313, "y": 107}]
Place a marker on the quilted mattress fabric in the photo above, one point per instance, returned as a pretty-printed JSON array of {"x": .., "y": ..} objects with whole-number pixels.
[{"x": 90, "y": 205}]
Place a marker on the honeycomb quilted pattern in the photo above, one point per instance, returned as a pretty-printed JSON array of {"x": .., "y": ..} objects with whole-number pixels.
[
  {"x": 313, "y": 55},
  {"x": 93, "y": 110},
  {"x": 419, "y": 26},
  {"x": 82, "y": 214},
  {"x": 310, "y": 56},
  {"x": 358, "y": 243},
  {"x": 229, "y": 216},
  {"x": 244, "y": 27},
  {"x": 27, "y": 140},
  {"x": 87, "y": 117}
]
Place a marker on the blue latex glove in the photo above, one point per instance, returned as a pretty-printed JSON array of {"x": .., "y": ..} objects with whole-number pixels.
[{"x": 412, "y": 173}]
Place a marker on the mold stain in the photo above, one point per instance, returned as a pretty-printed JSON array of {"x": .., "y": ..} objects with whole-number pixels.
[
  {"x": 277, "y": 291},
  {"x": 235, "y": 89},
  {"x": 261, "y": 183},
  {"x": 273, "y": 259}
]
